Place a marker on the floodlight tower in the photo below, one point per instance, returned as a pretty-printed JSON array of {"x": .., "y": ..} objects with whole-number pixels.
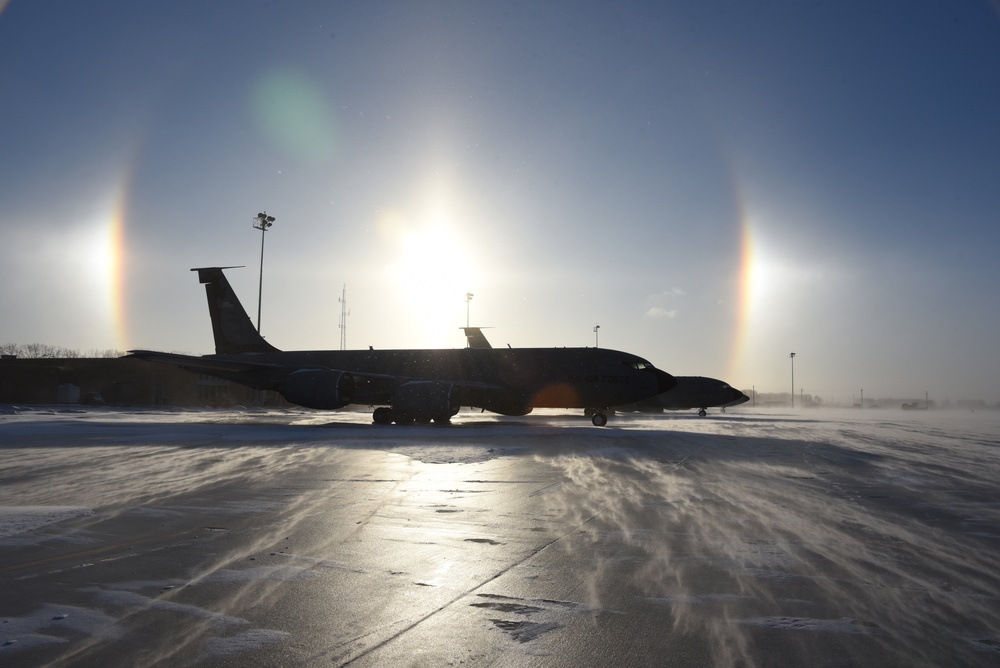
[
  {"x": 597, "y": 336},
  {"x": 262, "y": 222},
  {"x": 468, "y": 304},
  {"x": 792, "y": 356}
]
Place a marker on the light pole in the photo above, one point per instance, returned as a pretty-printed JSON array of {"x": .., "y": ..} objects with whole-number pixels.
[
  {"x": 262, "y": 222},
  {"x": 792, "y": 356},
  {"x": 597, "y": 336}
]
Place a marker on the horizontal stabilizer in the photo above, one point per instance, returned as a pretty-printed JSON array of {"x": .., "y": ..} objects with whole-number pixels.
[{"x": 207, "y": 274}]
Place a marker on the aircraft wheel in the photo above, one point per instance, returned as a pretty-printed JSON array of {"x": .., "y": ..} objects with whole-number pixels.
[
  {"x": 599, "y": 419},
  {"x": 702, "y": 412},
  {"x": 382, "y": 415}
]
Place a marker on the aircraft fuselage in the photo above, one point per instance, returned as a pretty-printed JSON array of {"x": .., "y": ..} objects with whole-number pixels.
[{"x": 532, "y": 377}]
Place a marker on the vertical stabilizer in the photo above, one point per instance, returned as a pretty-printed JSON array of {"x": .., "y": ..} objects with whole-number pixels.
[
  {"x": 233, "y": 330},
  {"x": 475, "y": 338}
]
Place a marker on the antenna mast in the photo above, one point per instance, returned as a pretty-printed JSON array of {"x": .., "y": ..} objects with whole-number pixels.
[{"x": 343, "y": 318}]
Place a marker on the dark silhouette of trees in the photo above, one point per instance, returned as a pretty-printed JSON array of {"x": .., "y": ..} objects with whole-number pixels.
[{"x": 45, "y": 351}]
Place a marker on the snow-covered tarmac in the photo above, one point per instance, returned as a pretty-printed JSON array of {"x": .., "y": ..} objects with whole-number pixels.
[{"x": 754, "y": 538}]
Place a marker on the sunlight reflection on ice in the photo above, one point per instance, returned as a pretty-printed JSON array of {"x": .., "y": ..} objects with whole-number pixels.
[{"x": 882, "y": 526}]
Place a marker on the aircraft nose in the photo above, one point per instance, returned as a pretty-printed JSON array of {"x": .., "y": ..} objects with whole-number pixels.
[{"x": 664, "y": 380}]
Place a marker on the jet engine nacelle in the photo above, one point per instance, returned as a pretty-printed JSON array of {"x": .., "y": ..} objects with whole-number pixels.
[
  {"x": 423, "y": 400},
  {"x": 318, "y": 388}
]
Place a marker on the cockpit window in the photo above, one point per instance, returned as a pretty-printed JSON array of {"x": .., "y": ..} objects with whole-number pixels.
[{"x": 639, "y": 364}]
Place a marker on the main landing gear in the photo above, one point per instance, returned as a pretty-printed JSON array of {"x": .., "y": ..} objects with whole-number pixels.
[
  {"x": 385, "y": 415},
  {"x": 598, "y": 416}
]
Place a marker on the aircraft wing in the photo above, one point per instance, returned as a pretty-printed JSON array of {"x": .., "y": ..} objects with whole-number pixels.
[
  {"x": 206, "y": 364},
  {"x": 259, "y": 375},
  {"x": 265, "y": 375}
]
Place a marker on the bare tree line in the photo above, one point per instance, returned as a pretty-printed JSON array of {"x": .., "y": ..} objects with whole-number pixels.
[{"x": 45, "y": 351}]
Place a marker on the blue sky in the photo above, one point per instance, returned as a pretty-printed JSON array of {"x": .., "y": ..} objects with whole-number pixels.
[{"x": 715, "y": 186}]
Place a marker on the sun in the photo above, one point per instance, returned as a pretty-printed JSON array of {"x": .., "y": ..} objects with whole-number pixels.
[{"x": 431, "y": 272}]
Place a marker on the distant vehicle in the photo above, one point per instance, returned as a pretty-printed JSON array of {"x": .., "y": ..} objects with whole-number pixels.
[
  {"x": 691, "y": 392},
  {"x": 408, "y": 386}
]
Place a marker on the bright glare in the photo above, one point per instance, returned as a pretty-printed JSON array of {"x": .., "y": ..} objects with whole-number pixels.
[
  {"x": 431, "y": 273},
  {"x": 79, "y": 266},
  {"x": 92, "y": 257}
]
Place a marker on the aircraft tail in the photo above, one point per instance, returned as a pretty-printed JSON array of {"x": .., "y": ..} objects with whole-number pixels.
[
  {"x": 475, "y": 338},
  {"x": 233, "y": 330}
]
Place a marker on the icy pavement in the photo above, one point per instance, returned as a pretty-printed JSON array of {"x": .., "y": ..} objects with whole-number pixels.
[{"x": 752, "y": 538}]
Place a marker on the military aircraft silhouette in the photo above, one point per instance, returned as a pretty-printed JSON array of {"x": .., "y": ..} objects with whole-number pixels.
[{"x": 408, "y": 386}]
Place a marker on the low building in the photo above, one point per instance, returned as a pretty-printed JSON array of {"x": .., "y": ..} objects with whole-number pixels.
[{"x": 119, "y": 382}]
